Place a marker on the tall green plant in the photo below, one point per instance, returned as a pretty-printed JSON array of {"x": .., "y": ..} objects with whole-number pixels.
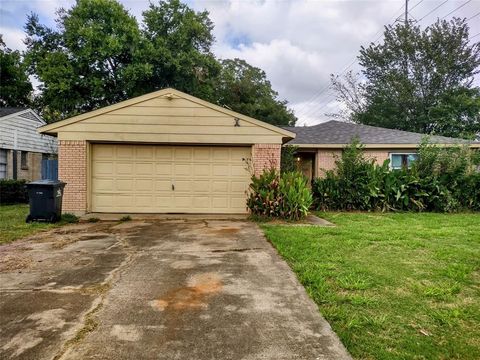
[{"x": 274, "y": 195}]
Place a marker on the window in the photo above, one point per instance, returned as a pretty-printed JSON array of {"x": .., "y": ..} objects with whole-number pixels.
[
  {"x": 402, "y": 161},
  {"x": 3, "y": 164},
  {"x": 24, "y": 160}
]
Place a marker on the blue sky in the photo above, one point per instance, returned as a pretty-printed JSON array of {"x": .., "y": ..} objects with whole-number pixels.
[{"x": 298, "y": 43}]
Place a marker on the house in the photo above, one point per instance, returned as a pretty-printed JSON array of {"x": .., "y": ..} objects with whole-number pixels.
[
  {"x": 320, "y": 145},
  {"x": 163, "y": 152},
  {"x": 22, "y": 148}
]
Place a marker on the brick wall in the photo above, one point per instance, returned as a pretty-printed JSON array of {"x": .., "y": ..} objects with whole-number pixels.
[
  {"x": 326, "y": 157},
  {"x": 265, "y": 156},
  {"x": 326, "y": 160},
  {"x": 379, "y": 155},
  {"x": 72, "y": 169}
]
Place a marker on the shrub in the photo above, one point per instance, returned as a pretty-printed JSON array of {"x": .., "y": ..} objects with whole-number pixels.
[
  {"x": 288, "y": 160},
  {"x": 69, "y": 218},
  {"x": 125, "y": 218},
  {"x": 13, "y": 192},
  {"x": 443, "y": 179},
  {"x": 93, "y": 220},
  {"x": 274, "y": 195}
]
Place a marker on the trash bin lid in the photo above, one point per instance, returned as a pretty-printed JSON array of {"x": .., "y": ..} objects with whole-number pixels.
[{"x": 46, "y": 182}]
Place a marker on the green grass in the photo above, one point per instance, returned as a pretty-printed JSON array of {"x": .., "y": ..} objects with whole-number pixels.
[
  {"x": 393, "y": 286},
  {"x": 13, "y": 225}
]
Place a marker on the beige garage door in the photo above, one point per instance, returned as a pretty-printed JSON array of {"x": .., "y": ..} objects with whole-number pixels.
[{"x": 175, "y": 179}]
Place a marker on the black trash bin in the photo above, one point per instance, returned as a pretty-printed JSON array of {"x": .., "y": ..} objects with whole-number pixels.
[{"x": 45, "y": 198}]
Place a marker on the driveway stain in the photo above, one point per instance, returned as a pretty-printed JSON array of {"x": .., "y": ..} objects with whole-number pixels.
[{"x": 193, "y": 296}]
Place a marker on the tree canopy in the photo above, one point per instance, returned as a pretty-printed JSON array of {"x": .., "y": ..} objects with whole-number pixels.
[
  {"x": 246, "y": 89},
  {"x": 418, "y": 80},
  {"x": 15, "y": 87},
  {"x": 99, "y": 55}
]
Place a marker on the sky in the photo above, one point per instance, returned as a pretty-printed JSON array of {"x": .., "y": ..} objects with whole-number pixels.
[{"x": 297, "y": 43}]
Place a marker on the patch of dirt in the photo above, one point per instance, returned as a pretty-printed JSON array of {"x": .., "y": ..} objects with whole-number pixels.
[
  {"x": 193, "y": 296},
  {"x": 9, "y": 262},
  {"x": 225, "y": 231}
]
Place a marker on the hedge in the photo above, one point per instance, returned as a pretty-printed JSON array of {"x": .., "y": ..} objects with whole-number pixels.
[{"x": 13, "y": 192}]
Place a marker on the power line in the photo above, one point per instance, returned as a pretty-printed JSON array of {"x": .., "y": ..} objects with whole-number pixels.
[
  {"x": 474, "y": 16},
  {"x": 414, "y": 6},
  {"x": 301, "y": 111},
  {"x": 380, "y": 31},
  {"x": 424, "y": 16},
  {"x": 471, "y": 37},
  {"x": 457, "y": 8}
]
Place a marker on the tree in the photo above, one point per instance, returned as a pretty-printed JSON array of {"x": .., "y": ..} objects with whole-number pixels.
[
  {"x": 15, "y": 87},
  {"x": 179, "y": 48},
  {"x": 245, "y": 89},
  {"x": 420, "y": 80},
  {"x": 98, "y": 55},
  {"x": 89, "y": 61}
]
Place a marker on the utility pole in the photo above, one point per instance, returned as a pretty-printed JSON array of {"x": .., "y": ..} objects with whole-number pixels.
[{"x": 406, "y": 12}]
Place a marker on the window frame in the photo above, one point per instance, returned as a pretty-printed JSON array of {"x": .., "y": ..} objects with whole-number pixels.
[
  {"x": 24, "y": 160},
  {"x": 4, "y": 164},
  {"x": 390, "y": 156}
]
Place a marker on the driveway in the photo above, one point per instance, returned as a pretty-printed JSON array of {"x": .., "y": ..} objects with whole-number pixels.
[{"x": 162, "y": 289}]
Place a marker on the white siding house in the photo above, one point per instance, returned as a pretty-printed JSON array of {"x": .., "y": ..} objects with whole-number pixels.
[{"x": 22, "y": 148}]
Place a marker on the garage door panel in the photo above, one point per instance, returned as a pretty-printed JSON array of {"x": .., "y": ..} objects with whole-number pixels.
[
  {"x": 103, "y": 184},
  {"x": 104, "y": 152},
  {"x": 163, "y": 168},
  {"x": 201, "y": 186},
  {"x": 123, "y": 168},
  {"x": 183, "y": 153},
  {"x": 162, "y": 185},
  {"x": 219, "y": 186},
  {"x": 138, "y": 178},
  {"x": 145, "y": 185},
  {"x": 182, "y": 170},
  {"x": 201, "y": 154},
  {"x": 164, "y": 202},
  {"x": 164, "y": 153},
  {"x": 123, "y": 185},
  {"x": 221, "y": 170},
  {"x": 144, "y": 152},
  {"x": 202, "y": 169},
  {"x": 125, "y": 152},
  {"x": 237, "y": 187},
  {"x": 144, "y": 169},
  {"x": 103, "y": 168}
]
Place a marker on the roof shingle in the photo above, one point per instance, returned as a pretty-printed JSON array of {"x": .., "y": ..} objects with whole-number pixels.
[
  {"x": 338, "y": 132},
  {"x": 10, "y": 110}
]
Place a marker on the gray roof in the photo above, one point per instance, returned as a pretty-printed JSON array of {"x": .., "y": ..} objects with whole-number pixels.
[
  {"x": 338, "y": 132},
  {"x": 5, "y": 111}
]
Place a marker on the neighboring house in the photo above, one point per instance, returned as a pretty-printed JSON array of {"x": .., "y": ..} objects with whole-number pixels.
[
  {"x": 320, "y": 145},
  {"x": 164, "y": 152},
  {"x": 22, "y": 148}
]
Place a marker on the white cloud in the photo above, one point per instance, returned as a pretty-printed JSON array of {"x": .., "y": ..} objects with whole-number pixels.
[
  {"x": 298, "y": 43},
  {"x": 13, "y": 38}
]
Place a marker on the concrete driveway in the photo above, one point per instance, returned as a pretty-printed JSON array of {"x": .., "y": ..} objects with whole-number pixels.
[{"x": 162, "y": 289}]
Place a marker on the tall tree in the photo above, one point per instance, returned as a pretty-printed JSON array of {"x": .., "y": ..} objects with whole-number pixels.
[
  {"x": 246, "y": 89},
  {"x": 89, "y": 61},
  {"x": 179, "y": 48},
  {"x": 15, "y": 87},
  {"x": 420, "y": 80}
]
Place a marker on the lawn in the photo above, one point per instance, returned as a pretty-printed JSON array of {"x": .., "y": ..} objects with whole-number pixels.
[
  {"x": 393, "y": 286},
  {"x": 13, "y": 225}
]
